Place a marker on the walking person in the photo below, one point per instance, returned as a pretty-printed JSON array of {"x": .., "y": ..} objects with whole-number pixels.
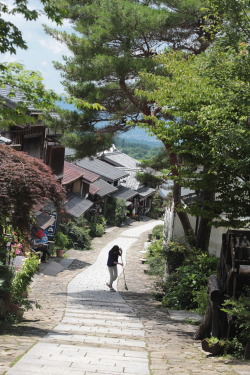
[{"x": 112, "y": 263}]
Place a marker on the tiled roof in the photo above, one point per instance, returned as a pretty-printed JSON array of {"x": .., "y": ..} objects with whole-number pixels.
[
  {"x": 131, "y": 181},
  {"x": 106, "y": 171},
  {"x": 105, "y": 188},
  {"x": 93, "y": 189},
  {"x": 124, "y": 193},
  {"x": 77, "y": 205},
  {"x": 119, "y": 159},
  {"x": 145, "y": 191},
  {"x": 72, "y": 173}
]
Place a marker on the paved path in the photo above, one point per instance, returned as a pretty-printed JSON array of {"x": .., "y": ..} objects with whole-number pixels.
[
  {"x": 99, "y": 333},
  {"x": 78, "y": 332}
]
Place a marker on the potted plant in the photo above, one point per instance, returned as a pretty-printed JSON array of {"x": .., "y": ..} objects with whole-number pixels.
[{"x": 61, "y": 241}]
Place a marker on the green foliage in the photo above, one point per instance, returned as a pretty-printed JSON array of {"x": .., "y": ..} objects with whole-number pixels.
[
  {"x": 29, "y": 86},
  {"x": 159, "y": 161},
  {"x": 6, "y": 275},
  {"x": 176, "y": 253},
  {"x": 22, "y": 280},
  {"x": 239, "y": 309},
  {"x": 116, "y": 211},
  {"x": 113, "y": 40},
  {"x": 148, "y": 179},
  {"x": 209, "y": 95},
  {"x": 182, "y": 286},
  {"x": 61, "y": 240},
  {"x": 77, "y": 233},
  {"x": 156, "y": 258},
  {"x": 137, "y": 151},
  {"x": 98, "y": 227},
  {"x": 157, "y": 210},
  {"x": 225, "y": 346},
  {"x": 157, "y": 232}
]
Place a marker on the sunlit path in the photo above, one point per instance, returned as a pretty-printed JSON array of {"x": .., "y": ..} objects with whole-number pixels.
[{"x": 100, "y": 333}]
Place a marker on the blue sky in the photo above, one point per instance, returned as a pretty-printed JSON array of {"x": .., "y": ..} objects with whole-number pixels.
[{"x": 42, "y": 48}]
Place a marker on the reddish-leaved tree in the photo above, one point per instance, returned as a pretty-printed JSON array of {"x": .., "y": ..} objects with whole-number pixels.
[{"x": 26, "y": 184}]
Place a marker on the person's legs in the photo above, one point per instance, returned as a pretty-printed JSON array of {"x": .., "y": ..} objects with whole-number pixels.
[{"x": 113, "y": 275}]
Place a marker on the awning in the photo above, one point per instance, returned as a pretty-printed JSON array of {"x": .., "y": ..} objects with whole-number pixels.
[
  {"x": 124, "y": 193},
  {"x": 77, "y": 205},
  {"x": 145, "y": 192},
  {"x": 44, "y": 220}
]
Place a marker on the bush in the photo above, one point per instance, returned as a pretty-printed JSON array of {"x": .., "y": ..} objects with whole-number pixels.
[
  {"x": 61, "y": 240},
  {"x": 77, "y": 233},
  {"x": 182, "y": 286},
  {"x": 156, "y": 258},
  {"x": 22, "y": 280},
  {"x": 177, "y": 253},
  {"x": 98, "y": 227},
  {"x": 157, "y": 232},
  {"x": 116, "y": 211},
  {"x": 239, "y": 309},
  {"x": 6, "y": 275}
]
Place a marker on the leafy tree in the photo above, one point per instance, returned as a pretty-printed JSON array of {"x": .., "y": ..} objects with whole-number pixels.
[
  {"x": 26, "y": 184},
  {"x": 230, "y": 21},
  {"x": 11, "y": 36},
  {"x": 113, "y": 41},
  {"x": 207, "y": 97},
  {"x": 29, "y": 86}
]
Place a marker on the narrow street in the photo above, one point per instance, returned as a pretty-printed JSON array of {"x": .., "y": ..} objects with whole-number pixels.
[{"x": 83, "y": 328}]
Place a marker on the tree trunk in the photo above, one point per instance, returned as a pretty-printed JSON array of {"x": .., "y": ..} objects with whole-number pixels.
[
  {"x": 204, "y": 228},
  {"x": 204, "y": 328},
  {"x": 183, "y": 216},
  {"x": 203, "y": 234}
]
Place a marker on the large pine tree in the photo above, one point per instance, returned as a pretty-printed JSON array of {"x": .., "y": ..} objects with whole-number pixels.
[{"x": 114, "y": 40}]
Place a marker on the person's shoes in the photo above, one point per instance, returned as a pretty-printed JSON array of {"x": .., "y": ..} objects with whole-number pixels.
[
  {"x": 112, "y": 290},
  {"x": 108, "y": 285}
]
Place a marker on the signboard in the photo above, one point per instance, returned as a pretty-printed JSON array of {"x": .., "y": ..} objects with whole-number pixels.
[{"x": 52, "y": 228}]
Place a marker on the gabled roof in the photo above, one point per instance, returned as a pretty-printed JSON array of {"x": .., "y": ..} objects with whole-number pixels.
[
  {"x": 119, "y": 159},
  {"x": 106, "y": 171},
  {"x": 104, "y": 188},
  {"x": 77, "y": 205},
  {"x": 124, "y": 193},
  {"x": 72, "y": 173}
]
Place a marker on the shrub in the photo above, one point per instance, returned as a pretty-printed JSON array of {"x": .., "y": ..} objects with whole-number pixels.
[
  {"x": 6, "y": 275},
  {"x": 157, "y": 232},
  {"x": 77, "y": 233},
  {"x": 239, "y": 309},
  {"x": 182, "y": 286},
  {"x": 98, "y": 227},
  {"x": 61, "y": 240},
  {"x": 157, "y": 210},
  {"x": 116, "y": 211},
  {"x": 22, "y": 280},
  {"x": 156, "y": 258}
]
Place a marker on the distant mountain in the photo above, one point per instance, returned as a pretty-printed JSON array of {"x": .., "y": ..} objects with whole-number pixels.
[{"x": 136, "y": 135}]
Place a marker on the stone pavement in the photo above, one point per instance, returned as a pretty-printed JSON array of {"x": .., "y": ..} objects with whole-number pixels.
[{"x": 84, "y": 328}]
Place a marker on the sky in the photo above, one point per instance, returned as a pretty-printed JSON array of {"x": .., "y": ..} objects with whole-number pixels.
[{"x": 42, "y": 48}]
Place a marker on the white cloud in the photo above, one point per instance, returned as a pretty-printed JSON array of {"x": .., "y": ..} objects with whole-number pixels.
[{"x": 53, "y": 45}]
